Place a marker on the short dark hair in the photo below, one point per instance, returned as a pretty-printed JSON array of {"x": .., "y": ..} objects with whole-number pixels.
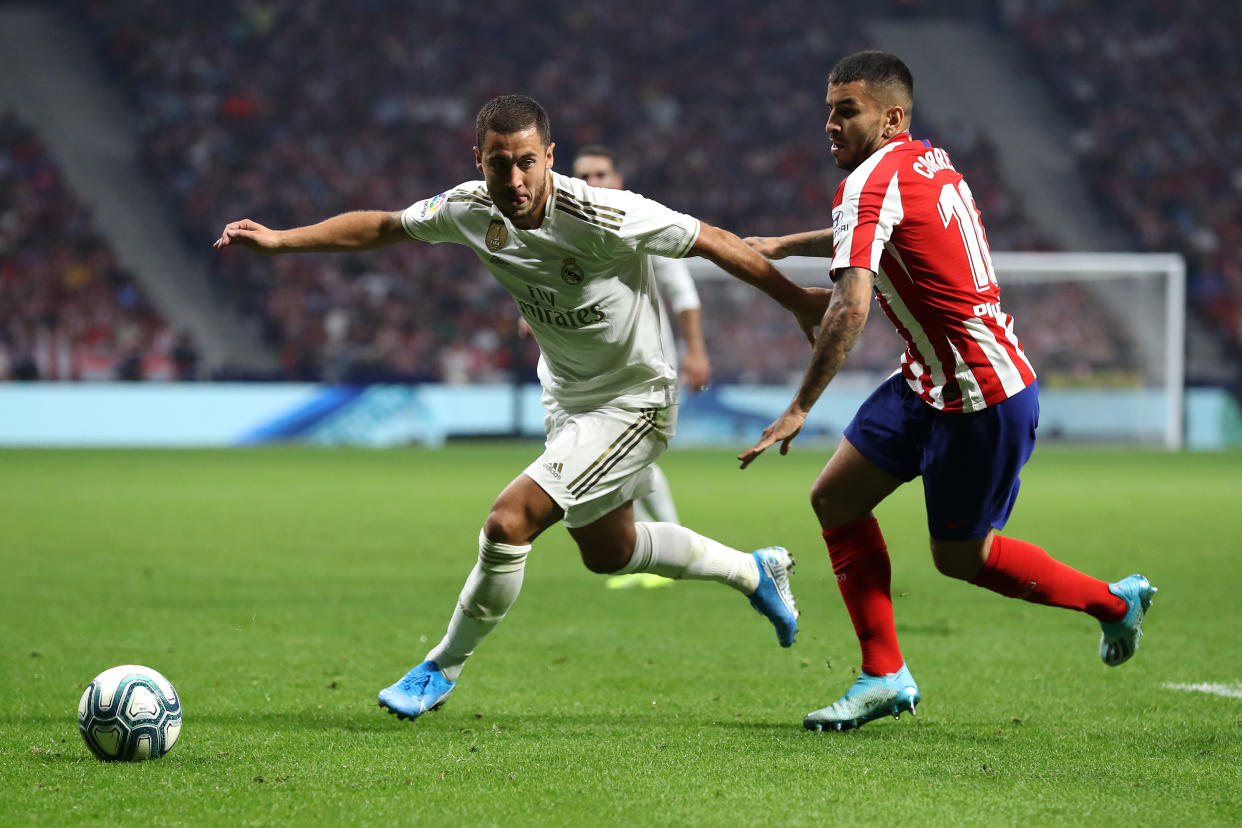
[
  {"x": 598, "y": 150},
  {"x": 507, "y": 114},
  {"x": 876, "y": 69}
]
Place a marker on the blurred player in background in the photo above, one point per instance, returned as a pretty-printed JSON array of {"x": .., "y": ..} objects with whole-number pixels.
[
  {"x": 597, "y": 166},
  {"x": 961, "y": 412},
  {"x": 574, "y": 258}
]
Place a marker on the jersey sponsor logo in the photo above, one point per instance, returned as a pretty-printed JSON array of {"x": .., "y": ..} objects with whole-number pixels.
[
  {"x": 987, "y": 309},
  {"x": 497, "y": 235},
  {"x": 572, "y": 319},
  {"x": 839, "y": 226},
  {"x": 930, "y": 163},
  {"x": 571, "y": 272}
]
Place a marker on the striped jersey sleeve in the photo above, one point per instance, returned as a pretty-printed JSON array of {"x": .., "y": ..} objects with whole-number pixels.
[
  {"x": 868, "y": 211},
  {"x": 647, "y": 226}
]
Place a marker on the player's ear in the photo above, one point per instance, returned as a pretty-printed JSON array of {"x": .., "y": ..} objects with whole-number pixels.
[
  {"x": 551, "y": 146},
  {"x": 894, "y": 120},
  {"x": 478, "y": 160}
]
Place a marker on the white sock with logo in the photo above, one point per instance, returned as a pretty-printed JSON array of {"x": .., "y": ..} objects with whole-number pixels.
[
  {"x": 657, "y": 506},
  {"x": 677, "y": 552},
  {"x": 490, "y": 590}
]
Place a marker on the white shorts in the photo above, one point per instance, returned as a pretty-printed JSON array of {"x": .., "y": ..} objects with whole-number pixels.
[{"x": 597, "y": 461}]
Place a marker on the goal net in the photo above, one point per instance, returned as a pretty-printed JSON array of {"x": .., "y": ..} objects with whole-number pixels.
[{"x": 1104, "y": 332}]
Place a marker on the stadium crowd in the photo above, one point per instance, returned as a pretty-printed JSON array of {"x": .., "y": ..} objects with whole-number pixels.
[
  {"x": 1157, "y": 90},
  {"x": 291, "y": 111},
  {"x": 68, "y": 311}
]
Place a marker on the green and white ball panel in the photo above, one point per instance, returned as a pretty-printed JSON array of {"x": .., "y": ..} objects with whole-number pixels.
[{"x": 130, "y": 713}]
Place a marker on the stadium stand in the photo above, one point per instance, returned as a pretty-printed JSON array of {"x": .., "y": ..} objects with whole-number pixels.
[
  {"x": 67, "y": 310},
  {"x": 1157, "y": 88},
  {"x": 291, "y": 111}
]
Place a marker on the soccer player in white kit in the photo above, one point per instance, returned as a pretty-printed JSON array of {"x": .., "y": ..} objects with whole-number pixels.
[
  {"x": 597, "y": 165},
  {"x": 576, "y": 260}
]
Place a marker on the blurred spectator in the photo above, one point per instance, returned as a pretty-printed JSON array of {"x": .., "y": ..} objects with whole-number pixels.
[
  {"x": 288, "y": 111},
  {"x": 67, "y": 310},
  {"x": 1157, "y": 90}
]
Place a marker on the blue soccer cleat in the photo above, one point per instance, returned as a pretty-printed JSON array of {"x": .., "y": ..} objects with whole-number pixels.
[
  {"x": 773, "y": 599},
  {"x": 1119, "y": 639},
  {"x": 423, "y": 688},
  {"x": 870, "y": 698}
]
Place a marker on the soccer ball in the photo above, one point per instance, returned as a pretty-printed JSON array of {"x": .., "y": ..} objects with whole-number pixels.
[{"x": 129, "y": 713}]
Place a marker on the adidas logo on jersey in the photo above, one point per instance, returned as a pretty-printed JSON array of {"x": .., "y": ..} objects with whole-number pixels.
[{"x": 555, "y": 469}]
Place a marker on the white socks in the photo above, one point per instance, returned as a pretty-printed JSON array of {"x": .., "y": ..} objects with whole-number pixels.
[
  {"x": 490, "y": 590},
  {"x": 677, "y": 552},
  {"x": 657, "y": 506},
  {"x": 663, "y": 548}
]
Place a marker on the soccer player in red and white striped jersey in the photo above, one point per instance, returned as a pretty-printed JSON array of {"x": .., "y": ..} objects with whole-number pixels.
[{"x": 962, "y": 411}]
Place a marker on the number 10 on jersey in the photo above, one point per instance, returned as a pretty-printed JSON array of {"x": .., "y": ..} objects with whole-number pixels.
[{"x": 957, "y": 201}]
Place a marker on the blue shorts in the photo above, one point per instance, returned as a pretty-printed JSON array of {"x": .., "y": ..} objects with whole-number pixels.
[{"x": 969, "y": 462}]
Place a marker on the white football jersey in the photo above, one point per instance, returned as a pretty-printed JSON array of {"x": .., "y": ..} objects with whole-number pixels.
[{"x": 582, "y": 280}]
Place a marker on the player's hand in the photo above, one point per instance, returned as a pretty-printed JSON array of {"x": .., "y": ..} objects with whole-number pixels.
[
  {"x": 523, "y": 330},
  {"x": 811, "y": 313},
  {"x": 782, "y": 431},
  {"x": 767, "y": 246},
  {"x": 249, "y": 234},
  {"x": 696, "y": 371}
]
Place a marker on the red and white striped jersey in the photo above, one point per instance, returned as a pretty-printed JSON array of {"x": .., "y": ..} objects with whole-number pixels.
[{"x": 907, "y": 215}]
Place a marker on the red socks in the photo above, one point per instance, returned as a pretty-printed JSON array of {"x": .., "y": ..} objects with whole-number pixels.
[
  {"x": 1017, "y": 569},
  {"x": 860, "y": 561}
]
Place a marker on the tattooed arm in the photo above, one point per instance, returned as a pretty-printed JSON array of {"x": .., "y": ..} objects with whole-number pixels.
[{"x": 842, "y": 325}]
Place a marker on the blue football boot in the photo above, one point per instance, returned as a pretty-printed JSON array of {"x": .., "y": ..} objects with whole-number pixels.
[
  {"x": 773, "y": 599},
  {"x": 870, "y": 698},
  {"x": 1119, "y": 639},
  {"x": 423, "y": 688}
]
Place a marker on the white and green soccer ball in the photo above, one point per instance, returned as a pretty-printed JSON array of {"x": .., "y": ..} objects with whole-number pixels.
[{"x": 129, "y": 713}]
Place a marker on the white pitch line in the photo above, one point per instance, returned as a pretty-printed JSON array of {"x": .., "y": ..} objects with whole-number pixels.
[{"x": 1233, "y": 691}]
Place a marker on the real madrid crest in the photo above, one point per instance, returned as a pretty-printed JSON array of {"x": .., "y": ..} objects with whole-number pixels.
[
  {"x": 571, "y": 272},
  {"x": 497, "y": 235}
]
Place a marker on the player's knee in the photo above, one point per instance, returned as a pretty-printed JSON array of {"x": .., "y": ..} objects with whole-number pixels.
[
  {"x": 957, "y": 560},
  {"x": 827, "y": 507},
  {"x": 604, "y": 559},
  {"x": 945, "y": 564},
  {"x": 818, "y": 498},
  {"x": 506, "y": 526}
]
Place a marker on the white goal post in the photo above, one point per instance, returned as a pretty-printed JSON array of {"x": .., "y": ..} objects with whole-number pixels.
[{"x": 1105, "y": 332}]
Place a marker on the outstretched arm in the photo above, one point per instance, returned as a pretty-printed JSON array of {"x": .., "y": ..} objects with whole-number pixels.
[
  {"x": 843, "y": 323},
  {"x": 811, "y": 243},
  {"x": 363, "y": 230},
  {"x": 732, "y": 256}
]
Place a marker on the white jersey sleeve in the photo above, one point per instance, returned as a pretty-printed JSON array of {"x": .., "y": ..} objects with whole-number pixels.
[
  {"x": 676, "y": 284},
  {"x": 429, "y": 220},
  {"x": 651, "y": 228}
]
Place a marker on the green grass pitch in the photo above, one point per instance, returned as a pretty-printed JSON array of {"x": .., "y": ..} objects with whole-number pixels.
[{"x": 280, "y": 589}]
